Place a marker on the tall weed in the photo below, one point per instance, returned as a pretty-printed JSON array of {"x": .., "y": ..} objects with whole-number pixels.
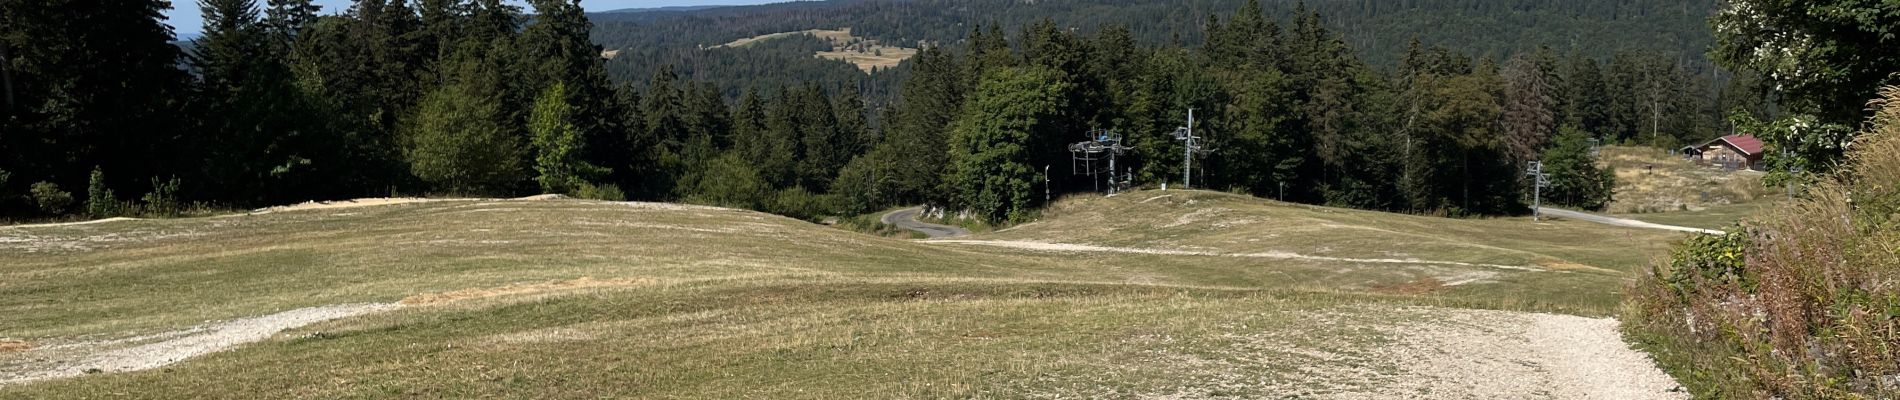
[{"x": 1803, "y": 302}]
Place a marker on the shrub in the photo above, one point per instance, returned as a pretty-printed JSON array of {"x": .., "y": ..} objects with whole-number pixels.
[
  {"x": 1800, "y": 303},
  {"x": 50, "y": 199},
  {"x": 802, "y": 204},
  {"x": 608, "y": 192},
  {"x": 557, "y": 145},
  {"x": 728, "y": 181},
  {"x": 460, "y": 141},
  {"x": 163, "y": 199}
]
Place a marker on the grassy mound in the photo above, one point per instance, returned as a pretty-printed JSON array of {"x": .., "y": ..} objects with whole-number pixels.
[
  {"x": 588, "y": 299},
  {"x": 1802, "y": 303}
]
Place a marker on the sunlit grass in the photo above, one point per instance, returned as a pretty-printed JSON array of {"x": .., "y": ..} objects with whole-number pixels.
[{"x": 573, "y": 298}]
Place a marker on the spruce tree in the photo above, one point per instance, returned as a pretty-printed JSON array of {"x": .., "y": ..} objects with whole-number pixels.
[
  {"x": 556, "y": 47},
  {"x": 1529, "y": 118},
  {"x": 822, "y": 148},
  {"x": 1589, "y": 103},
  {"x": 92, "y": 83},
  {"x": 919, "y": 126},
  {"x": 266, "y": 140}
]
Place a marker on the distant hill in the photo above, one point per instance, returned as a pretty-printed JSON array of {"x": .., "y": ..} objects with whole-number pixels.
[
  {"x": 1379, "y": 30},
  {"x": 659, "y": 9}
]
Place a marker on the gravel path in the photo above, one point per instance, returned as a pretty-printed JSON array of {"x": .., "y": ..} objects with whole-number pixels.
[
  {"x": 1385, "y": 352},
  {"x": 1458, "y": 353},
  {"x": 1623, "y": 222},
  {"x": 147, "y": 352}
]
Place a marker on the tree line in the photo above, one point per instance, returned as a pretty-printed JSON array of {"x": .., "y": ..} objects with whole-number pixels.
[
  {"x": 278, "y": 104},
  {"x": 1291, "y": 113}
]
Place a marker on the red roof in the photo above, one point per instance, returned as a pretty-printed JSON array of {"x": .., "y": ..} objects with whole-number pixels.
[{"x": 1748, "y": 144}]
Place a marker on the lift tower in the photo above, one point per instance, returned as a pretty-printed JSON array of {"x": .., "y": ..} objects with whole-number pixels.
[
  {"x": 1190, "y": 145},
  {"x": 1086, "y": 158}
]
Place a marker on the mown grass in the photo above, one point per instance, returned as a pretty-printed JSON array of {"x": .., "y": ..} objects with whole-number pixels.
[
  {"x": 776, "y": 340},
  {"x": 718, "y": 303},
  {"x": 1711, "y": 217},
  {"x": 1240, "y": 224}
]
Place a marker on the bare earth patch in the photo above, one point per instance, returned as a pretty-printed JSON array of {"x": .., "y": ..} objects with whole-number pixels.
[
  {"x": 369, "y": 202},
  {"x": 1424, "y": 353},
  {"x": 96, "y": 221},
  {"x": 153, "y": 351}
]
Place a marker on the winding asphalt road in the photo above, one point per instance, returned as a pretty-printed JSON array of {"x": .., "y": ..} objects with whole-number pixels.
[
  {"x": 907, "y": 219},
  {"x": 1583, "y": 216}
]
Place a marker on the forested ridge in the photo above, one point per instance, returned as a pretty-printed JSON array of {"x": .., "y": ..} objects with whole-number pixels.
[
  {"x": 1378, "y": 31},
  {"x": 281, "y": 104}
]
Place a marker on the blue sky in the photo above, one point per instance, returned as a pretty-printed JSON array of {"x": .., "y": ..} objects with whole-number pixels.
[{"x": 187, "y": 20}]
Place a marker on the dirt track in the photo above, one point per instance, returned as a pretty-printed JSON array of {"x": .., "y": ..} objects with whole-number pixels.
[
  {"x": 153, "y": 351},
  {"x": 1450, "y": 353},
  {"x": 1629, "y": 223}
]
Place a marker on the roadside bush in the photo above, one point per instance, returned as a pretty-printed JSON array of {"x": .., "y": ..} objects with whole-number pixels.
[
  {"x": 50, "y": 199},
  {"x": 162, "y": 201},
  {"x": 871, "y": 224},
  {"x": 608, "y": 192},
  {"x": 728, "y": 181},
  {"x": 1800, "y": 303},
  {"x": 802, "y": 204}
]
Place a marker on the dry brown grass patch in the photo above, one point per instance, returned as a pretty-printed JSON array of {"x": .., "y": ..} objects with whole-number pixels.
[
  {"x": 866, "y": 54},
  {"x": 518, "y": 289},
  {"x": 1650, "y": 180},
  {"x": 1561, "y": 265},
  {"x": 10, "y": 345},
  {"x": 1419, "y": 286}
]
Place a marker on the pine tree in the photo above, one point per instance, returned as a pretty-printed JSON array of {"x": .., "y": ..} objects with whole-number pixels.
[
  {"x": 267, "y": 140},
  {"x": 919, "y": 126},
  {"x": 779, "y": 149},
  {"x": 858, "y": 137},
  {"x": 287, "y": 19},
  {"x": 1589, "y": 103},
  {"x": 664, "y": 134},
  {"x": 1529, "y": 118},
  {"x": 821, "y": 152},
  {"x": 556, "y": 47},
  {"x": 92, "y": 84}
]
